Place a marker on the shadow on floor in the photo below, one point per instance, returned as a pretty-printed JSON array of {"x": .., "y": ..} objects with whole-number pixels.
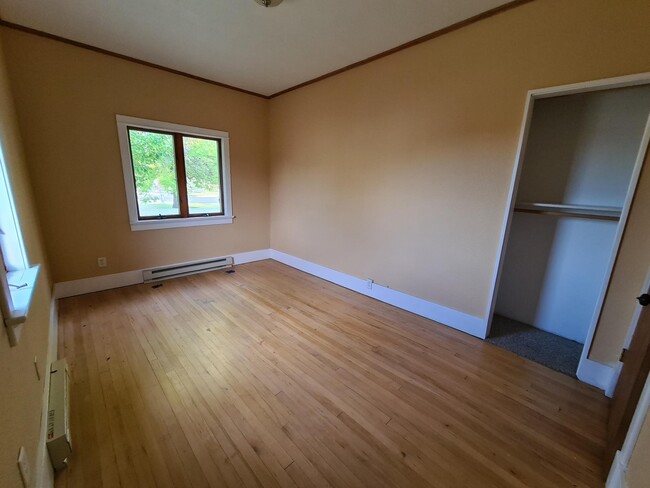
[{"x": 552, "y": 351}]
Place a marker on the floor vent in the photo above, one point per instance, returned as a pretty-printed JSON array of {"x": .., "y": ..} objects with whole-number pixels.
[{"x": 184, "y": 269}]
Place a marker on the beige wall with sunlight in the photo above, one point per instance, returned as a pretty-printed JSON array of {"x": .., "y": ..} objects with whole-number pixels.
[{"x": 632, "y": 267}]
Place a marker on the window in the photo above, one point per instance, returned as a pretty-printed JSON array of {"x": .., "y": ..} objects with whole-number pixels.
[
  {"x": 175, "y": 175},
  {"x": 17, "y": 278}
]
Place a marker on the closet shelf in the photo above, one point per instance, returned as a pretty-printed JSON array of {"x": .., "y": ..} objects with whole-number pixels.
[{"x": 563, "y": 210}]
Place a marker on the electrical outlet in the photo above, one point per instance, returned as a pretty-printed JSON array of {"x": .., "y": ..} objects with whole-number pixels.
[
  {"x": 24, "y": 468},
  {"x": 369, "y": 283},
  {"x": 102, "y": 262}
]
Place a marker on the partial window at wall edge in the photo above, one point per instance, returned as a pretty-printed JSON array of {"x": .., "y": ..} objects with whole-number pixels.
[{"x": 17, "y": 277}]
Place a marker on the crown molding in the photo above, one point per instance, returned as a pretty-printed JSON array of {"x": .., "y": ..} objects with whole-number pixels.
[
  {"x": 406, "y": 45},
  {"x": 47, "y": 35},
  {"x": 401, "y": 47}
]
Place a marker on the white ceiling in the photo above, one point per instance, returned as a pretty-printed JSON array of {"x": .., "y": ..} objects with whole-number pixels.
[{"x": 240, "y": 43}]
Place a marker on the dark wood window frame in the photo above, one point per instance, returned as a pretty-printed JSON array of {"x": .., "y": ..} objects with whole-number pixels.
[{"x": 181, "y": 175}]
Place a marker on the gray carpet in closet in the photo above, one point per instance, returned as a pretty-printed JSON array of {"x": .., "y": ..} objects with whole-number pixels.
[{"x": 552, "y": 351}]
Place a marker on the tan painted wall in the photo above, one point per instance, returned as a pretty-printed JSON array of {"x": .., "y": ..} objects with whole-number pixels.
[
  {"x": 638, "y": 473},
  {"x": 67, "y": 98},
  {"x": 399, "y": 170},
  {"x": 632, "y": 266},
  {"x": 20, "y": 391}
]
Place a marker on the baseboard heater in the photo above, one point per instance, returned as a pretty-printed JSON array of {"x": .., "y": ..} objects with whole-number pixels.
[
  {"x": 184, "y": 269},
  {"x": 59, "y": 445}
]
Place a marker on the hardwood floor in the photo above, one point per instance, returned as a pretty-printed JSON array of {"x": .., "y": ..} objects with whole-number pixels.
[{"x": 271, "y": 377}]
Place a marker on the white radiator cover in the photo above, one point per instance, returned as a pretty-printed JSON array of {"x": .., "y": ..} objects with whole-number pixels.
[
  {"x": 59, "y": 444},
  {"x": 184, "y": 269}
]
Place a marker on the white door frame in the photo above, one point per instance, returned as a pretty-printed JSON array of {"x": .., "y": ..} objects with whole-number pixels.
[
  {"x": 618, "y": 470},
  {"x": 531, "y": 97},
  {"x": 618, "y": 367}
]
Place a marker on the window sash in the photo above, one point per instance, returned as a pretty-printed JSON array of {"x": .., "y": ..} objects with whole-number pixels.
[
  {"x": 11, "y": 240},
  {"x": 6, "y": 303},
  {"x": 181, "y": 174}
]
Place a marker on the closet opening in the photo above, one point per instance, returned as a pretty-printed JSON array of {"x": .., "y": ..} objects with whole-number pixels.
[{"x": 580, "y": 156}]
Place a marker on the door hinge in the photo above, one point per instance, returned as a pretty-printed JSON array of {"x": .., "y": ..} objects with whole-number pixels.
[{"x": 622, "y": 356}]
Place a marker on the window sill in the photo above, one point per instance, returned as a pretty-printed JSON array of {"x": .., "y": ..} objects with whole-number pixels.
[
  {"x": 171, "y": 223},
  {"x": 21, "y": 299}
]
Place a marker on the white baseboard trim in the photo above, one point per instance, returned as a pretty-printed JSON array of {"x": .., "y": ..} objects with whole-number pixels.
[
  {"x": 616, "y": 477},
  {"x": 447, "y": 316},
  {"x": 597, "y": 374},
  {"x": 618, "y": 471},
  {"x": 106, "y": 282},
  {"x": 97, "y": 283},
  {"x": 600, "y": 375},
  {"x": 616, "y": 373},
  {"x": 53, "y": 344},
  {"x": 44, "y": 474},
  {"x": 249, "y": 257}
]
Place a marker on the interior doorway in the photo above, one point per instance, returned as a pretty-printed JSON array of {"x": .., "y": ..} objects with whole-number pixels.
[{"x": 581, "y": 152}]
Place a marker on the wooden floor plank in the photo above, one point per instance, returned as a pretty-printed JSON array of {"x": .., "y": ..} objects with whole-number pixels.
[{"x": 271, "y": 377}]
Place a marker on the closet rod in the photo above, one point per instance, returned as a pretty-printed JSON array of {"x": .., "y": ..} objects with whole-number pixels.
[
  {"x": 568, "y": 214},
  {"x": 570, "y": 210}
]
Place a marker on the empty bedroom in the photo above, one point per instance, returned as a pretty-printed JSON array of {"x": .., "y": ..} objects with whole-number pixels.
[{"x": 296, "y": 243}]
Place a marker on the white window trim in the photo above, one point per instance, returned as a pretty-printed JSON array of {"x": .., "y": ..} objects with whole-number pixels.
[
  {"x": 18, "y": 283},
  {"x": 123, "y": 122},
  {"x": 9, "y": 225}
]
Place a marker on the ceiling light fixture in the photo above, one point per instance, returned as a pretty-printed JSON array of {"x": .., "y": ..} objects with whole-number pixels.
[{"x": 269, "y": 3}]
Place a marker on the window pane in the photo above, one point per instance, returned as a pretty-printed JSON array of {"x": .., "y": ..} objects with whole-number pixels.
[
  {"x": 202, "y": 168},
  {"x": 11, "y": 241},
  {"x": 154, "y": 169}
]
